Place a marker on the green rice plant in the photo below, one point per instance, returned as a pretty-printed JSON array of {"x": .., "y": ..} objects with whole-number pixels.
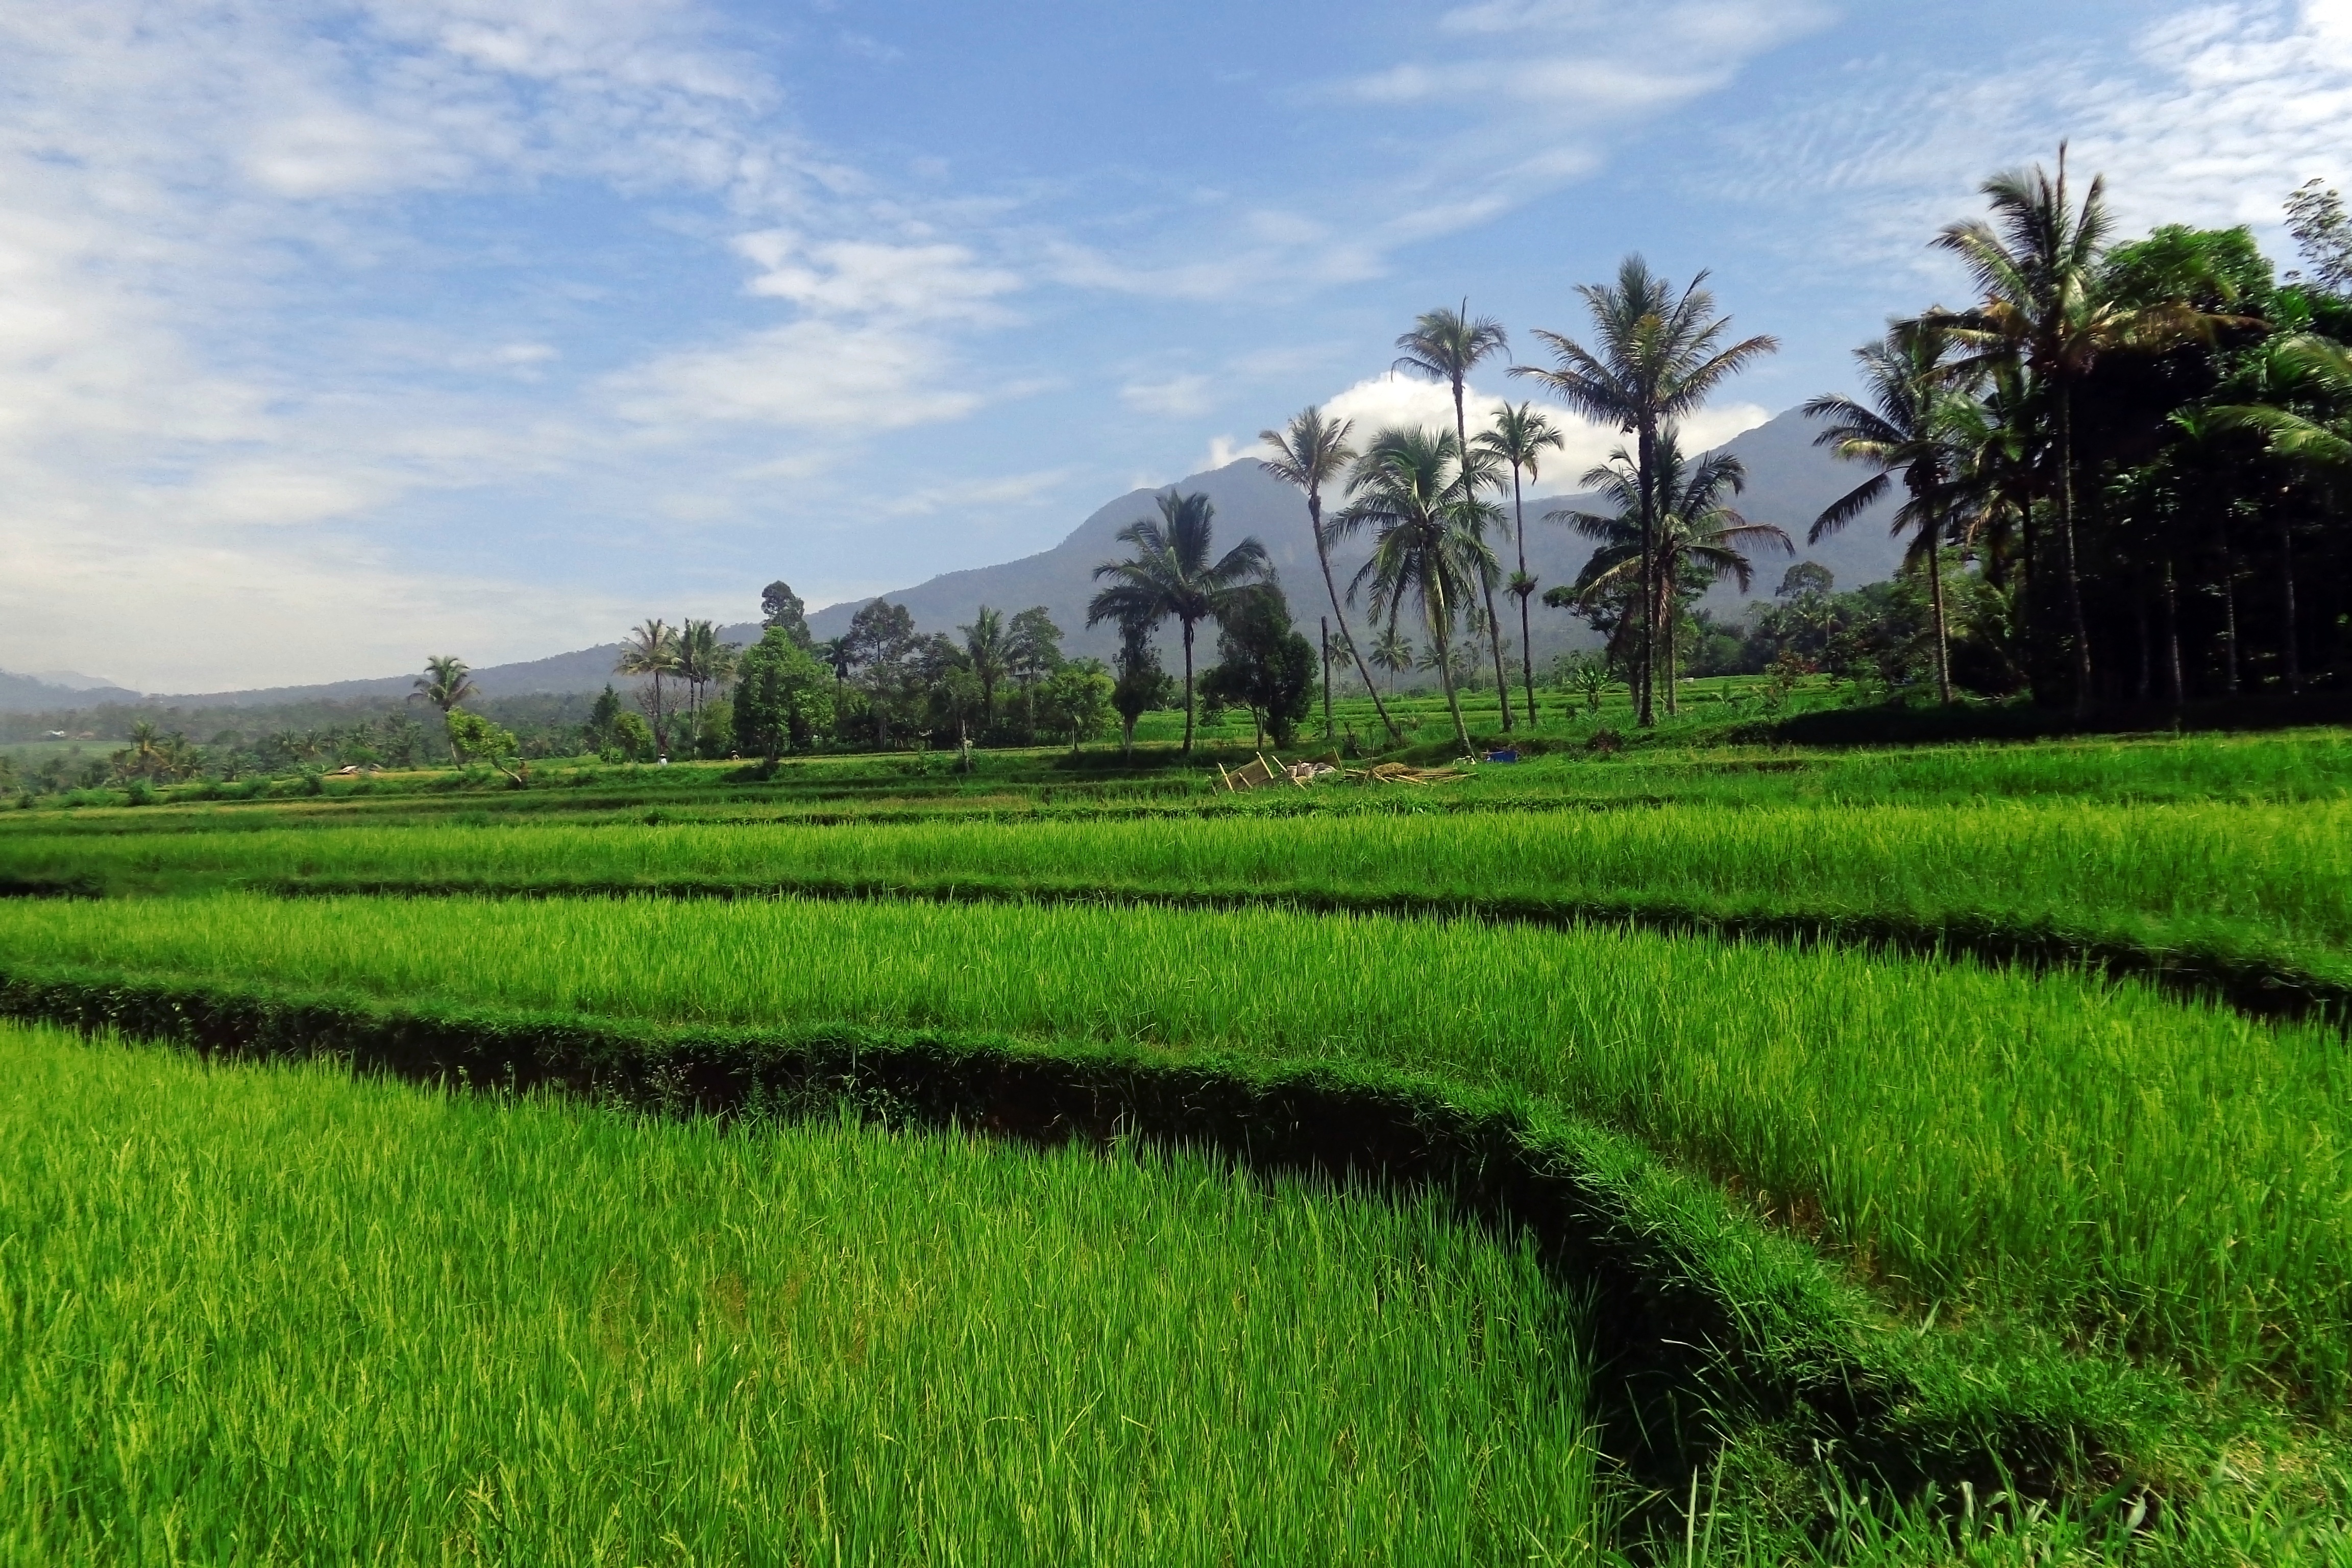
[
  {"x": 274, "y": 1314},
  {"x": 2154, "y": 1177},
  {"x": 2273, "y": 881}
]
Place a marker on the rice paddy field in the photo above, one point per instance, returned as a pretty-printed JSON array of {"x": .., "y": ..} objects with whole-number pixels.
[
  {"x": 1931, "y": 1144},
  {"x": 268, "y": 1314}
]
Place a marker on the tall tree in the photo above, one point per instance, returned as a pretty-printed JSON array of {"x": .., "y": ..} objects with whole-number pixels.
[
  {"x": 702, "y": 660},
  {"x": 1033, "y": 645},
  {"x": 1661, "y": 354},
  {"x": 1428, "y": 544},
  {"x": 1392, "y": 651},
  {"x": 782, "y": 609},
  {"x": 1262, "y": 663},
  {"x": 651, "y": 650},
  {"x": 1141, "y": 684},
  {"x": 1310, "y": 452},
  {"x": 1697, "y": 538},
  {"x": 1171, "y": 575},
  {"x": 987, "y": 649},
  {"x": 2036, "y": 265},
  {"x": 881, "y": 640},
  {"x": 1905, "y": 428},
  {"x": 1446, "y": 345},
  {"x": 447, "y": 681},
  {"x": 1520, "y": 436}
]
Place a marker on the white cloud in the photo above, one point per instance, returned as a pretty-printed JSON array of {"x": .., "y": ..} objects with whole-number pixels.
[
  {"x": 978, "y": 494},
  {"x": 1390, "y": 401},
  {"x": 908, "y": 282},
  {"x": 2212, "y": 116},
  {"x": 1183, "y": 396},
  {"x": 809, "y": 374}
]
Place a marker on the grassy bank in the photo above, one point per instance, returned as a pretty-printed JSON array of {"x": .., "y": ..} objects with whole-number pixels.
[
  {"x": 2144, "y": 1175},
  {"x": 262, "y": 1314}
]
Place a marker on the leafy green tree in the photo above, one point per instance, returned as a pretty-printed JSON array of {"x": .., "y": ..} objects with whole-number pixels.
[
  {"x": 1520, "y": 436},
  {"x": 1446, "y": 346},
  {"x": 633, "y": 737},
  {"x": 1033, "y": 645},
  {"x": 1905, "y": 430},
  {"x": 2322, "y": 234},
  {"x": 1141, "y": 685},
  {"x": 1075, "y": 701},
  {"x": 1171, "y": 575},
  {"x": 1661, "y": 354},
  {"x": 880, "y": 643},
  {"x": 783, "y": 697},
  {"x": 1428, "y": 547},
  {"x": 472, "y": 738},
  {"x": 782, "y": 609},
  {"x": 1310, "y": 452},
  {"x": 651, "y": 650},
  {"x": 603, "y": 718},
  {"x": 1262, "y": 664}
]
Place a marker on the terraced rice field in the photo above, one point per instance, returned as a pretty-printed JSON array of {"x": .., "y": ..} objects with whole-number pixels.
[
  {"x": 1909, "y": 1255},
  {"x": 261, "y": 1314}
]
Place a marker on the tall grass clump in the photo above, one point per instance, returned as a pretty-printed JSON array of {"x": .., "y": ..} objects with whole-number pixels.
[
  {"x": 268, "y": 1314},
  {"x": 2158, "y": 1177}
]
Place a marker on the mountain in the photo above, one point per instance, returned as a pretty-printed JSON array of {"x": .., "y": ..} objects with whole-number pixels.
[
  {"x": 1790, "y": 482},
  {"x": 56, "y": 689}
]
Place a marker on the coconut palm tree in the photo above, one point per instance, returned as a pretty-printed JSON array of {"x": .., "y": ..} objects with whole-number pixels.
[
  {"x": 1428, "y": 542},
  {"x": 1392, "y": 651},
  {"x": 651, "y": 649},
  {"x": 1171, "y": 575},
  {"x": 1907, "y": 429},
  {"x": 446, "y": 682},
  {"x": 1446, "y": 345},
  {"x": 1520, "y": 436},
  {"x": 985, "y": 645},
  {"x": 1694, "y": 531},
  {"x": 2043, "y": 309},
  {"x": 1310, "y": 452},
  {"x": 1661, "y": 354},
  {"x": 702, "y": 660}
]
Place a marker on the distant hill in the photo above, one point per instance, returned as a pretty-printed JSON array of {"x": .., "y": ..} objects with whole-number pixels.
[
  {"x": 1790, "y": 481},
  {"x": 57, "y": 689}
]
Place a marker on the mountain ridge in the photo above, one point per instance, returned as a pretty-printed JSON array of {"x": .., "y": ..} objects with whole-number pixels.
[{"x": 1790, "y": 483}]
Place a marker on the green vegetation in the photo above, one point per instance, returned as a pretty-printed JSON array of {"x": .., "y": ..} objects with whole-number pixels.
[
  {"x": 2146, "y": 1176},
  {"x": 2251, "y": 885},
  {"x": 270, "y": 1314}
]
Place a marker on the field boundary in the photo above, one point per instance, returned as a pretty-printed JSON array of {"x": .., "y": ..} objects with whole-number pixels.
[
  {"x": 2257, "y": 984},
  {"x": 1713, "y": 1331}
]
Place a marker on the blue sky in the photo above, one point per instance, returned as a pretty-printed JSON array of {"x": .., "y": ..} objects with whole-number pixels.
[{"x": 335, "y": 334}]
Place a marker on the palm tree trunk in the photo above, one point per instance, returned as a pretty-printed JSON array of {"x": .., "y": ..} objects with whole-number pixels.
[
  {"x": 2228, "y": 623},
  {"x": 661, "y": 724},
  {"x": 2080, "y": 626},
  {"x": 2172, "y": 636},
  {"x": 1936, "y": 597},
  {"x": 1647, "y": 712},
  {"x": 1493, "y": 626},
  {"x": 1188, "y": 688},
  {"x": 1347, "y": 638},
  {"x": 2287, "y": 633},
  {"x": 1526, "y": 647},
  {"x": 1446, "y": 669}
]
